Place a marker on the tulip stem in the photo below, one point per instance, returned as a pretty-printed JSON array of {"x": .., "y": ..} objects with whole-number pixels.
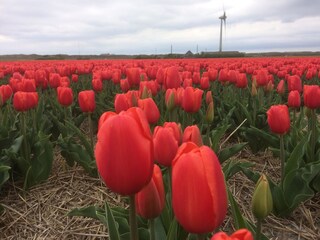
[
  {"x": 282, "y": 157},
  {"x": 294, "y": 117},
  {"x": 258, "y": 230},
  {"x": 24, "y": 133},
  {"x": 152, "y": 229},
  {"x": 90, "y": 130},
  {"x": 313, "y": 134},
  {"x": 133, "y": 219},
  {"x": 201, "y": 236}
]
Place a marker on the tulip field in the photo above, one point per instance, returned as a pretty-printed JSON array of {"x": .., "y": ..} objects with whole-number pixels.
[{"x": 160, "y": 149}]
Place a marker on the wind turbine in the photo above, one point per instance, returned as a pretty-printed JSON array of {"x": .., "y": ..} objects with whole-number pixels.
[{"x": 222, "y": 19}]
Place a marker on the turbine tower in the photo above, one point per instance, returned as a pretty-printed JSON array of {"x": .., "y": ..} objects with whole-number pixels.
[{"x": 222, "y": 19}]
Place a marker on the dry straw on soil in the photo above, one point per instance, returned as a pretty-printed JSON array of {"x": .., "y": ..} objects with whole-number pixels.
[{"x": 41, "y": 212}]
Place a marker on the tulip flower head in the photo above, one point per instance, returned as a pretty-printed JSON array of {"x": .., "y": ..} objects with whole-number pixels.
[
  {"x": 150, "y": 200},
  {"x": 199, "y": 197},
  {"x": 262, "y": 203},
  {"x": 23, "y": 101},
  {"x": 87, "y": 101},
  {"x": 150, "y": 109},
  {"x": 294, "y": 100},
  {"x": 279, "y": 119},
  {"x": 192, "y": 134},
  {"x": 165, "y": 145},
  {"x": 311, "y": 96},
  {"x": 241, "y": 234},
  {"x": 65, "y": 96},
  {"x": 124, "y": 151}
]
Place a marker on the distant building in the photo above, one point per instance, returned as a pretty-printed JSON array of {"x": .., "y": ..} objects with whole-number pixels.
[{"x": 189, "y": 54}]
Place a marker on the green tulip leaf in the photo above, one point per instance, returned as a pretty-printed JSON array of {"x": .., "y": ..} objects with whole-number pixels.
[
  {"x": 4, "y": 174},
  {"x": 297, "y": 184},
  {"x": 296, "y": 157},
  {"x": 228, "y": 152},
  {"x": 160, "y": 231},
  {"x": 111, "y": 224},
  {"x": 93, "y": 212},
  {"x": 173, "y": 230},
  {"x": 41, "y": 161},
  {"x": 1, "y": 209},
  {"x": 73, "y": 152},
  {"x": 233, "y": 167},
  {"x": 244, "y": 110},
  {"x": 82, "y": 137},
  {"x": 259, "y": 139},
  {"x": 239, "y": 220},
  {"x": 217, "y": 134}
]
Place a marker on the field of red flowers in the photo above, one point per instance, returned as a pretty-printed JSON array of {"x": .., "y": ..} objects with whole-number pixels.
[{"x": 160, "y": 149}]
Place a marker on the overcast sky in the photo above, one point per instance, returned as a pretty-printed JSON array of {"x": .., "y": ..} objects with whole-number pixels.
[{"x": 152, "y": 26}]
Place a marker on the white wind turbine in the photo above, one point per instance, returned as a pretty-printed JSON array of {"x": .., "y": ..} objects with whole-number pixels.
[{"x": 222, "y": 19}]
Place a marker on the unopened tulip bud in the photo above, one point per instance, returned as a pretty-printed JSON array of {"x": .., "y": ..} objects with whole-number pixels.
[
  {"x": 145, "y": 93},
  {"x": 170, "y": 103},
  {"x": 210, "y": 113},
  {"x": 209, "y": 97},
  {"x": 262, "y": 203},
  {"x": 269, "y": 87},
  {"x": 254, "y": 91},
  {"x": 307, "y": 112}
]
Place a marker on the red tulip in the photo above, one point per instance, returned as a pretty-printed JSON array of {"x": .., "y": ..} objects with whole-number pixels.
[
  {"x": 171, "y": 99},
  {"x": 151, "y": 199},
  {"x": 104, "y": 117},
  {"x": 87, "y": 101},
  {"x": 121, "y": 102},
  {"x": 212, "y": 74},
  {"x": 281, "y": 87},
  {"x": 209, "y": 97},
  {"x": 97, "y": 84},
  {"x": 262, "y": 78},
  {"x": 5, "y": 93},
  {"x": 165, "y": 145},
  {"x": 223, "y": 76},
  {"x": 279, "y": 119},
  {"x": 241, "y": 234},
  {"x": 242, "y": 81},
  {"x": 116, "y": 76},
  {"x": 28, "y": 85},
  {"x": 160, "y": 76},
  {"x": 124, "y": 152},
  {"x": 199, "y": 197},
  {"x": 133, "y": 76},
  {"x": 176, "y": 129},
  {"x": 74, "y": 78},
  {"x": 29, "y": 74},
  {"x": 41, "y": 78},
  {"x": 294, "y": 83},
  {"x": 204, "y": 83},
  {"x": 294, "y": 99},
  {"x": 187, "y": 82},
  {"x": 124, "y": 85},
  {"x": 196, "y": 77},
  {"x": 23, "y": 101},
  {"x": 54, "y": 80},
  {"x": 150, "y": 108},
  {"x": 106, "y": 74},
  {"x": 233, "y": 76},
  {"x": 65, "y": 96},
  {"x": 311, "y": 96},
  {"x": 192, "y": 134},
  {"x": 191, "y": 101},
  {"x": 172, "y": 78}
]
